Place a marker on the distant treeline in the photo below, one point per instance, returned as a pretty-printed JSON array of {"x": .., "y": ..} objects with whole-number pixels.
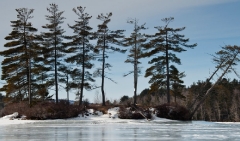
[{"x": 221, "y": 105}]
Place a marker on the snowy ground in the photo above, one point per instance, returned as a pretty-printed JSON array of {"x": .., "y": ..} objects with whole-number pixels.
[
  {"x": 111, "y": 117},
  {"x": 11, "y": 119}
]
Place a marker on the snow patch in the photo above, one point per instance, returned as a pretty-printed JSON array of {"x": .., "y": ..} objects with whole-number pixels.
[
  {"x": 11, "y": 117},
  {"x": 91, "y": 115}
]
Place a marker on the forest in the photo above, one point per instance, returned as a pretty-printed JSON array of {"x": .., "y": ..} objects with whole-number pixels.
[{"x": 37, "y": 61}]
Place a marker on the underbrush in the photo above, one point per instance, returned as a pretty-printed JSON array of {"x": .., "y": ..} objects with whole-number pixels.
[
  {"x": 43, "y": 110},
  {"x": 132, "y": 113},
  {"x": 100, "y": 108},
  {"x": 172, "y": 111}
]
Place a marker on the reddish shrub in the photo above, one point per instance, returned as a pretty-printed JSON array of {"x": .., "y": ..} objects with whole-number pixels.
[
  {"x": 172, "y": 111},
  {"x": 44, "y": 110},
  {"x": 20, "y": 107}
]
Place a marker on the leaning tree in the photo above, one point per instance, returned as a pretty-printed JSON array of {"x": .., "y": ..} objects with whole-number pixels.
[{"x": 225, "y": 61}]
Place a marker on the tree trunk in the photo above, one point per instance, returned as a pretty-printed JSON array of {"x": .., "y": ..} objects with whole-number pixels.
[
  {"x": 103, "y": 69},
  {"x": 83, "y": 72},
  {"x": 29, "y": 81},
  {"x": 207, "y": 81},
  {"x": 55, "y": 63},
  {"x": 208, "y": 91},
  {"x": 167, "y": 67},
  {"x": 135, "y": 71},
  {"x": 28, "y": 64},
  {"x": 67, "y": 89}
]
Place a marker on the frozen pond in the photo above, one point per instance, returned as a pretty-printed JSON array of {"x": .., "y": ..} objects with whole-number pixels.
[{"x": 77, "y": 130}]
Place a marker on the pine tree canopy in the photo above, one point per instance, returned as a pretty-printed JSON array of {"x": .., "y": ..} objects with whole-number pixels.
[
  {"x": 162, "y": 46},
  {"x": 81, "y": 51},
  {"x": 16, "y": 67},
  {"x": 52, "y": 43}
]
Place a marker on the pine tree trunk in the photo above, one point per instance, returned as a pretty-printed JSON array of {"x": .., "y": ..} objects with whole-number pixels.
[
  {"x": 83, "y": 72},
  {"x": 67, "y": 90},
  {"x": 135, "y": 71},
  {"x": 167, "y": 66},
  {"x": 29, "y": 85},
  {"x": 55, "y": 63},
  {"x": 27, "y": 52},
  {"x": 103, "y": 69}
]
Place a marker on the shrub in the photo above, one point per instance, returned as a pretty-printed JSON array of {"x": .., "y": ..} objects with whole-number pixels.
[
  {"x": 15, "y": 107},
  {"x": 131, "y": 113},
  {"x": 172, "y": 111},
  {"x": 100, "y": 108},
  {"x": 44, "y": 110},
  {"x": 124, "y": 98},
  {"x": 86, "y": 102}
]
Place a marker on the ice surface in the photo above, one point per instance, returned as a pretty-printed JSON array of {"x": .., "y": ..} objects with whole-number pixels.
[{"x": 71, "y": 130}]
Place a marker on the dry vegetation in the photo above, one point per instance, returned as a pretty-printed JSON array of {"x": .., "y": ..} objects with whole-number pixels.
[
  {"x": 132, "y": 113},
  {"x": 172, "y": 111},
  {"x": 43, "y": 110},
  {"x": 99, "y": 107}
]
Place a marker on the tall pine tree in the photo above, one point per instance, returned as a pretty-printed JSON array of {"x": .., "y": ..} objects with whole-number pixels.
[
  {"x": 164, "y": 44},
  {"x": 135, "y": 41},
  {"x": 53, "y": 41},
  {"x": 16, "y": 67},
  {"x": 106, "y": 38},
  {"x": 81, "y": 50}
]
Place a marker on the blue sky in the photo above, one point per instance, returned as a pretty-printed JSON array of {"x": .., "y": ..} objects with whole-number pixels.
[{"x": 209, "y": 23}]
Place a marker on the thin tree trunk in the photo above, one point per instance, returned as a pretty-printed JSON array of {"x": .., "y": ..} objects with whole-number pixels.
[
  {"x": 135, "y": 70},
  {"x": 27, "y": 50},
  {"x": 103, "y": 69},
  {"x": 207, "y": 81},
  {"x": 167, "y": 66},
  {"x": 83, "y": 72},
  {"x": 67, "y": 89},
  {"x": 29, "y": 81},
  {"x": 55, "y": 62}
]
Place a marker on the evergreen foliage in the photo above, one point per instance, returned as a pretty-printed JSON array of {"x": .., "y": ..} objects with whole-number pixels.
[
  {"x": 225, "y": 60},
  {"x": 176, "y": 83},
  {"x": 34, "y": 63},
  {"x": 135, "y": 41},
  {"x": 124, "y": 98},
  {"x": 163, "y": 45},
  {"x": 81, "y": 51},
  {"x": 64, "y": 77},
  {"x": 53, "y": 47},
  {"x": 16, "y": 67},
  {"x": 106, "y": 38}
]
